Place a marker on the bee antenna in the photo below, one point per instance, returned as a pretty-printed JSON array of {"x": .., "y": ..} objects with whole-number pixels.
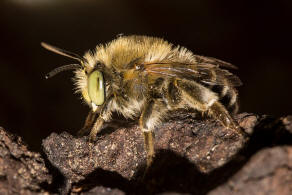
[
  {"x": 62, "y": 52},
  {"x": 62, "y": 68}
]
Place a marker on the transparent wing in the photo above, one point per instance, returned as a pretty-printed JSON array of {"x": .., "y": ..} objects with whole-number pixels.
[
  {"x": 201, "y": 72},
  {"x": 214, "y": 61}
]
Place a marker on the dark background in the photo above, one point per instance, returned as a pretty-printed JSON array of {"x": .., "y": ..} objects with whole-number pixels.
[{"x": 255, "y": 36}]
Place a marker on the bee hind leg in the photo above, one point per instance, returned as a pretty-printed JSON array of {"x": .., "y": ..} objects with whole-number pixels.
[
  {"x": 219, "y": 112},
  {"x": 204, "y": 100}
]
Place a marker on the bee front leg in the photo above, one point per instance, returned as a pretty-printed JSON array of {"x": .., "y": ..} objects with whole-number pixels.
[
  {"x": 104, "y": 116},
  {"x": 88, "y": 123},
  {"x": 96, "y": 129}
]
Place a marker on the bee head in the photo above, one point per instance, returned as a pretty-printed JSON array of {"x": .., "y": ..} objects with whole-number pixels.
[{"x": 89, "y": 82}]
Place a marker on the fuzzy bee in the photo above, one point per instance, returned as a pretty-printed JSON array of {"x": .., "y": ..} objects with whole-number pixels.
[{"x": 144, "y": 78}]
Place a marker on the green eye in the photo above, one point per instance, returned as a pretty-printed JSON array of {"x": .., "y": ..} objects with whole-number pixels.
[{"x": 96, "y": 88}]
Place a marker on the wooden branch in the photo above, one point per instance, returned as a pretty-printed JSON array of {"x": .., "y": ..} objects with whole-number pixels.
[{"x": 192, "y": 156}]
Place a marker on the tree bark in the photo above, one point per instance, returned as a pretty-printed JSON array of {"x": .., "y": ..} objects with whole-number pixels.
[{"x": 193, "y": 156}]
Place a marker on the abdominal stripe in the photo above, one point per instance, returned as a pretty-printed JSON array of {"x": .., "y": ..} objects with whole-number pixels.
[{"x": 227, "y": 96}]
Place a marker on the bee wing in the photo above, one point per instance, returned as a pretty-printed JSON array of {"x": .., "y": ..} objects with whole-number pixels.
[
  {"x": 214, "y": 61},
  {"x": 203, "y": 72}
]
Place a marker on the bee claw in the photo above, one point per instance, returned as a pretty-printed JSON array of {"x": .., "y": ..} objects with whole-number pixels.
[
  {"x": 242, "y": 132},
  {"x": 238, "y": 129}
]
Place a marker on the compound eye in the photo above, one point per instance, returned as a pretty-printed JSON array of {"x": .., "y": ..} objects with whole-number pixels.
[{"x": 96, "y": 87}]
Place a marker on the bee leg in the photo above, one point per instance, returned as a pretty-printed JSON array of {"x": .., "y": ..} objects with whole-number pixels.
[
  {"x": 204, "y": 100},
  {"x": 88, "y": 123},
  {"x": 104, "y": 116},
  {"x": 149, "y": 118},
  {"x": 96, "y": 129},
  {"x": 218, "y": 111},
  {"x": 149, "y": 145}
]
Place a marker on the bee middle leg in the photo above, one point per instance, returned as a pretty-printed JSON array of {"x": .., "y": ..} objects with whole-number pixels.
[{"x": 150, "y": 117}]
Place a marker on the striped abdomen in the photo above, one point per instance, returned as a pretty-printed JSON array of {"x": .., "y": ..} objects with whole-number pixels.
[{"x": 227, "y": 96}]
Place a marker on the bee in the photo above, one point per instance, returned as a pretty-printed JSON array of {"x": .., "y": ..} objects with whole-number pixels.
[{"x": 144, "y": 78}]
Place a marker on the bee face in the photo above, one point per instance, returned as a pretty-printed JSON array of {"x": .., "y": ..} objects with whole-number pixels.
[{"x": 145, "y": 77}]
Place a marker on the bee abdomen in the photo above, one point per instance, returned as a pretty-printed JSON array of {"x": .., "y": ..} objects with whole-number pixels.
[{"x": 227, "y": 96}]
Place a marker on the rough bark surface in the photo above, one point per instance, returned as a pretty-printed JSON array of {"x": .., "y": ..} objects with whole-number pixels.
[
  {"x": 21, "y": 171},
  {"x": 192, "y": 157},
  {"x": 267, "y": 172}
]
